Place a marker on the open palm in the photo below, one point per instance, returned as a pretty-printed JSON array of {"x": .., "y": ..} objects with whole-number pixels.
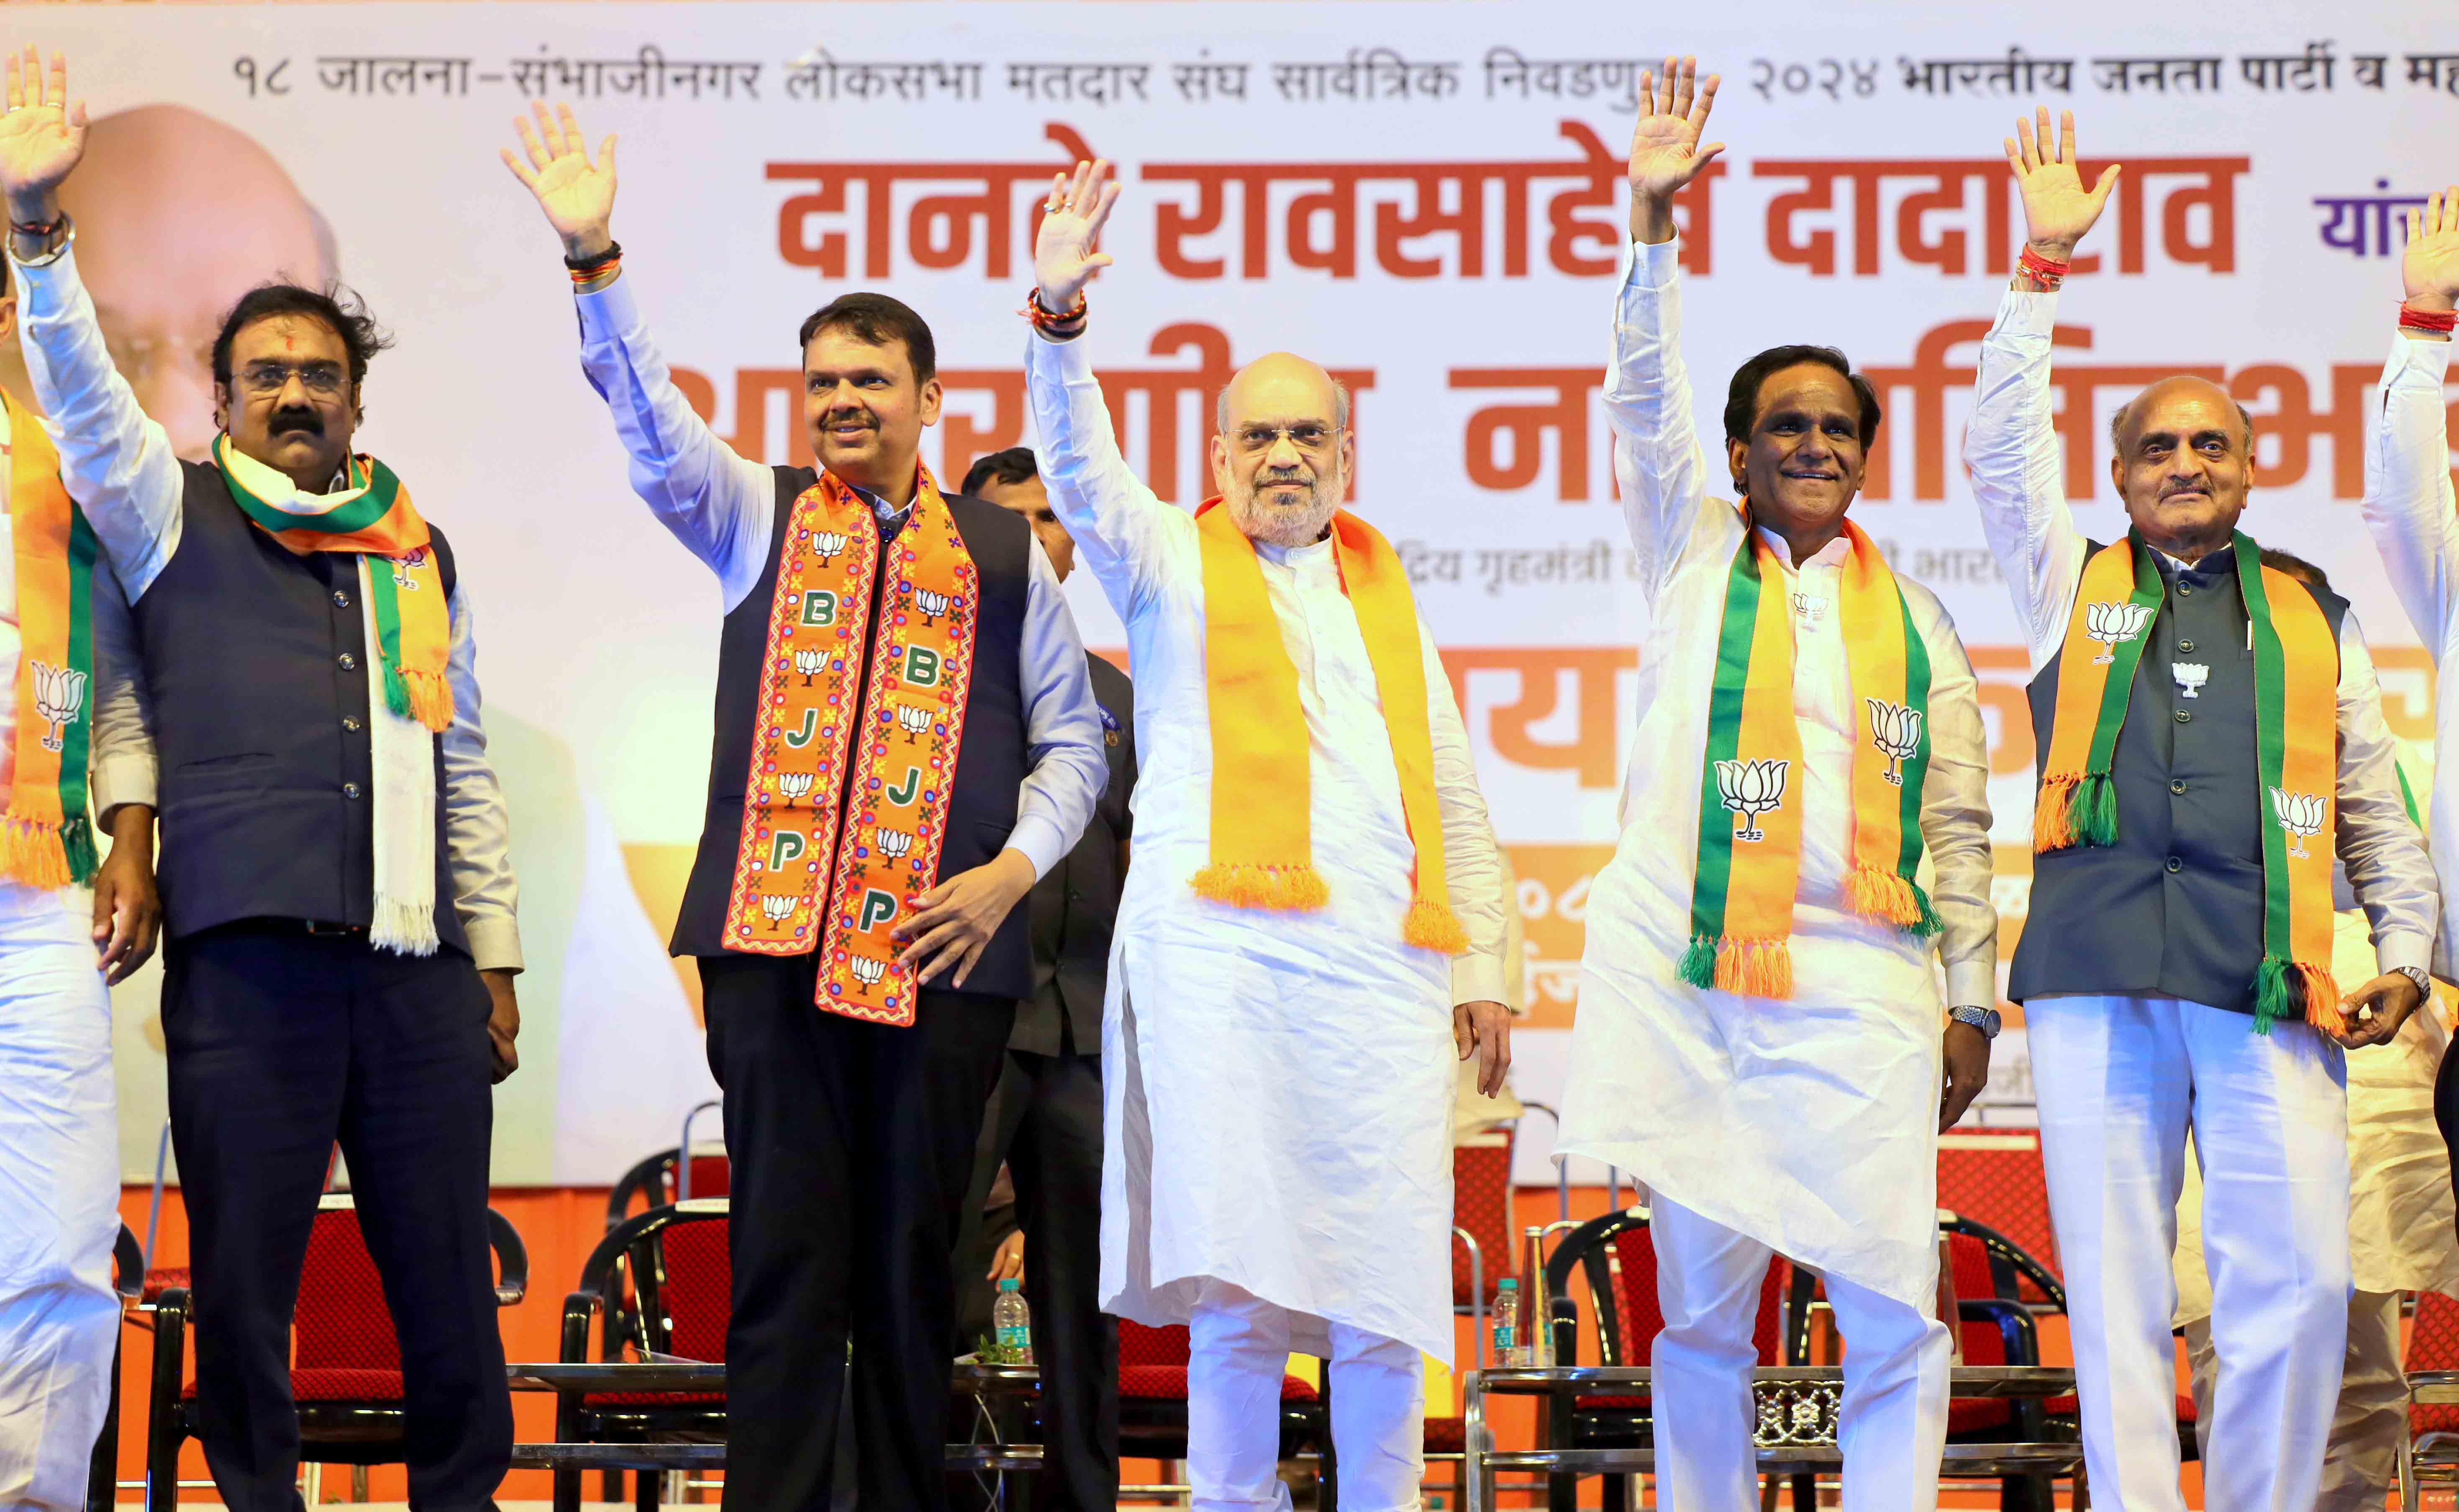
[
  {"x": 41, "y": 138},
  {"x": 2430, "y": 267},
  {"x": 1664, "y": 151},
  {"x": 1064, "y": 259},
  {"x": 577, "y": 195},
  {"x": 2057, "y": 208}
]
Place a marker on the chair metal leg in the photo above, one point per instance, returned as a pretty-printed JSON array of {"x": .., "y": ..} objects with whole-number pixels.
[
  {"x": 645, "y": 1490},
  {"x": 103, "y": 1472},
  {"x": 2408, "y": 1501},
  {"x": 1805, "y": 1493},
  {"x": 1615, "y": 1492},
  {"x": 163, "y": 1425}
]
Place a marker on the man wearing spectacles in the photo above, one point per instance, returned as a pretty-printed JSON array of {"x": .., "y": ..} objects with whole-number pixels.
[{"x": 334, "y": 872}]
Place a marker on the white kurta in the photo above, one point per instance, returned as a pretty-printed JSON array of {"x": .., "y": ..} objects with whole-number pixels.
[
  {"x": 1277, "y": 1086},
  {"x": 1810, "y": 1126}
]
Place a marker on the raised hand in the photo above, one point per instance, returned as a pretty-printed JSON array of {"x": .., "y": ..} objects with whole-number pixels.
[
  {"x": 2430, "y": 268},
  {"x": 41, "y": 137},
  {"x": 2057, "y": 208},
  {"x": 1063, "y": 258},
  {"x": 577, "y": 196},
  {"x": 1664, "y": 151}
]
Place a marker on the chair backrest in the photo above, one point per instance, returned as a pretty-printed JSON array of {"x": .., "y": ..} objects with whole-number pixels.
[
  {"x": 1617, "y": 1255},
  {"x": 1481, "y": 1205},
  {"x": 2433, "y": 1345},
  {"x": 1980, "y": 1339},
  {"x": 342, "y": 1320},
  {"x": 1988, "y": 1264},
  {"x": 1998, "y": 1178},
  {"x": 653, "y": 1181},
  {"x": 686, "y": 1270},
  {"x": 1142, "y": 1345}
]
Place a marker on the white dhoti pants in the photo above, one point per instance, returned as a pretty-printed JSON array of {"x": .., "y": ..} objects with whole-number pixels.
[
  {"x": 2361, "y": 1458},
  {"x": 2120, "y": 1081},
  {"x": 1240, "y": 1353},
  {"x": 59, "y": 1200},
  {"x": 1892, "y": 1426}
]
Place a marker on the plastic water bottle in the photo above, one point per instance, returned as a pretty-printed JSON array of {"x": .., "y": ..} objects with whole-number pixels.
[
  {"x": 1507, "y": 1323},
  {"x": 1012, "y": 1323}
]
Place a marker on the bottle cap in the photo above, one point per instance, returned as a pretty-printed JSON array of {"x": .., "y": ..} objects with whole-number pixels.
[
  {"x": 1510, "y": 1284},
  {"x": 1008, "y": 1285}
]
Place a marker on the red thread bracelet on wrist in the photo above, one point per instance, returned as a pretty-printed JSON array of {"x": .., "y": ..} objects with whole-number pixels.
[
  {"x": 1043, "y": 319},
  {"x": 38, "y": 228},
  {"x": 594, "y": 271},
  {"x": 2440, "y": 322},
  {"x": 2043, "y": 271}
]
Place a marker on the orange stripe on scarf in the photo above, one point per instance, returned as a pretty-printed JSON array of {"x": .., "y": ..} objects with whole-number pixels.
[
  {"x": 32, "y": 845},
  {"x": 1263, "y": 851}
]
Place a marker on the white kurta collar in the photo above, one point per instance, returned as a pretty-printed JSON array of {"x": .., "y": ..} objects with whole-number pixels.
[{"x": 1831, "y": 555}]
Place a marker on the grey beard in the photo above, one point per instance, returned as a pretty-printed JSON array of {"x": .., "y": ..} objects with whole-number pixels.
[{"x": 1280, "y": 527}]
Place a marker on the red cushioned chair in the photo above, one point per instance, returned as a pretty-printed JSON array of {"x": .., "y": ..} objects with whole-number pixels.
[
  {"x": 681, "y": 1275},
  {"x": 2432, "y": 1450},
  {"x": 1152, "y": 1403},
  {"x": 1995, "y": 1326},
  {"x": 656, "y": 1181},
  {"x": 1997, "y": 1177},
  {"x": 1616, "y": 1257},
  {"x": 346, "y": 1365}
]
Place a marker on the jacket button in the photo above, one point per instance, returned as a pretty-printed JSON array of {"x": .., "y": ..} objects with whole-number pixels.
[
  {"x": 2176, "y": 864},
  {"x": 2184, "y": 718},
  {"x": 2176, "y": 785},
  {"x": 350, "y": 724},
  {"x": 2185, "y": 590},
  {"x": 340, "y": 599},
  {"x": 348, "y": 663},
  {"x": 2185, "y": 646},
  {"x": 351, "y": 790}
]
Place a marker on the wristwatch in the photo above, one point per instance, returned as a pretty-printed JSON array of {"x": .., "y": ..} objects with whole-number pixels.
[
  {"x": 2416, "y": 974},
  {"x": 1984, "y": 1020}
]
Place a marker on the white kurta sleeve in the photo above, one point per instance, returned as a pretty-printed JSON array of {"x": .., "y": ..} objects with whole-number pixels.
[
  {"x": 1658, "y": 465},
  {"x": 126, "y": 770},
  {"x": 2408, "y": 505},
  {"x": 2379, "y": 843},
  {"x": 2012, "y": 450},
  {"x": 1117, "y": 522},
  {"x": 1955, "y": 823},
  {"x": 1472, "y": 864}
]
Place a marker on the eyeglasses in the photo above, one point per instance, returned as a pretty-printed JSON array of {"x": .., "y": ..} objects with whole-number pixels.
[
  {"x": 266, "y": 378},
  {"x": 1256, "y": 440}
]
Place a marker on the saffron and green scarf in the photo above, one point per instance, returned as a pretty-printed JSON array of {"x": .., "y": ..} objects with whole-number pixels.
[
  {"x": 47, "y": 837},
  {"x": 1748, "y": 871}
]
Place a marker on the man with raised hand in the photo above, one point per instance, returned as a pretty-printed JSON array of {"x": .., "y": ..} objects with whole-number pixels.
[
  {"x": 1760, "y": 1037},
  {"x": 1313, "y": 928},
  {"x": 905, "y": 741},
  {"x": 2209, "y": 734},
  {"x": 337, "y": 893}
]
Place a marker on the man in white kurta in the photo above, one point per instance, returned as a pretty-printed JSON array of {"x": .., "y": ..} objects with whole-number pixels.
[
  {"x": 1276, "y": 1167},
  {"x": 1805, "y": 1126}
]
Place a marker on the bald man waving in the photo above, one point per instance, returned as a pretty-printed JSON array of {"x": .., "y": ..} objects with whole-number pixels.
[
  {"x": 2211, "y": 734},
  {"x": 1313, "y": 926}
]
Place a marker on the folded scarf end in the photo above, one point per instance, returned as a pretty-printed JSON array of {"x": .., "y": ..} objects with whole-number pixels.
[
  {"x": 403, "y": 928},
  {"x": 1743, "y": 967},
  {"x": 1433, "y": 926},
  {"x": 430, "y": 699},
  {"x": 36, "y": 855},
  {"x": 1891, "y": 896},
  {"x": 2074, "y": 810},
  {"x": 2297, "y": 991},
  {"x": 1247, "y": 885}
]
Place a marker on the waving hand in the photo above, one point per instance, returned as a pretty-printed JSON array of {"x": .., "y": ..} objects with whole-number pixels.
[
  {"x": 2430, "y": 268},
  {"x": 2057, "y": 208},
  {"x": 577, "y": 195},
  {"x": 1664, "y": 151},
  {"x": 41, "y": 137},
  {"x": 1064, "y": 256}
]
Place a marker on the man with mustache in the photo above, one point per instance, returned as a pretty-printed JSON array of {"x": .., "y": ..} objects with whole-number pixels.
[
  {"x": 1761, "y": 1038},
  {"x": 2209, "y": 734},
  {"x": 905, "y": 741},
  {"x": 1312, "y": 930},
  {"x": 333, "y": 865}
]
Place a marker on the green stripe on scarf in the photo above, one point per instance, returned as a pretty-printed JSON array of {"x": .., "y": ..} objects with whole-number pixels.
[
  {"x": 346, "y": 520},
  {"x": 2272, "y": 994},
  {"x": 2407, "y": 795},
  {"x": 1715, "y": 864},
  {"x": 1916, "y": 770},
  {"x": 76, "y": 828},
  {"x": 384, "y": 600},
  {"x": 2094, "y": 806}
]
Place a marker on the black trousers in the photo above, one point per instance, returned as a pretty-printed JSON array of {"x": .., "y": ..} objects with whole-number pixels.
[
  {"x": 1045, "y": 1122},
  {"x": 852, "y": 1144},
  {"x": 280, "y": 1044}
]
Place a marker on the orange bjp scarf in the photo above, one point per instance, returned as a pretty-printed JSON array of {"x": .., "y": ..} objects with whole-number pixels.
[{"x": 1263, "y": 851}]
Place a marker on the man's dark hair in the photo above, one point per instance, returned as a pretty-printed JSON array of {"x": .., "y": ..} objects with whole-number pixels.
[
  {"x": 333, "y": 304},
  {"x": 878, "y": 320},
  {"x": 1742, "y": 401},
  {"x": 2296, "y": 567},
  {"x": 1015, "y": 465}
]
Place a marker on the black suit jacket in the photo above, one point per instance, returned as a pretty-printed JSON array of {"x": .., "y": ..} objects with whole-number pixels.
[{"x": 1076, "y": 901}]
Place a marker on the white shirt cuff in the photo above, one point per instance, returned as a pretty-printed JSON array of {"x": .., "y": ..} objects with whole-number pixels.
[
  {"x": 1477, "y": 978},
  {"x": 123, "y": 779},
  {"x": 2428, "y": 361},
  {"x": 2400, "y": 948},
  {"x": 606, "y": 311},
  {"x": 1654, "y": 264},
  {"x": 2024, "y": 312},
  {"x": 495, "y": 942},
  {"x": 1971, "y": 984},
  {"x": 1040, "y": 841}
]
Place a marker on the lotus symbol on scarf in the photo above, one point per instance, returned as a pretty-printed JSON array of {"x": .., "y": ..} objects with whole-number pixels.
[
  {"x": 915, "y": 718},
  {"x": 828, "y": 543},
  {"x": 811, "y": 664},
  {"x": 893, "y": 844},
  {"x": 1751, "y": 788},
  {"x": 931, "y": 604},
  {"x": 2113, "y": 624},
  {"x": 777, "y": 905},
  {"x": 415, "y": 556},
  {"x": 868, "y": 970},
  {"x": 58, "y": 694},
  {"x": 1896, "y": 731},
  {"x": 2301, "y": 814},
  {"x": 793, "y": 786}
]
